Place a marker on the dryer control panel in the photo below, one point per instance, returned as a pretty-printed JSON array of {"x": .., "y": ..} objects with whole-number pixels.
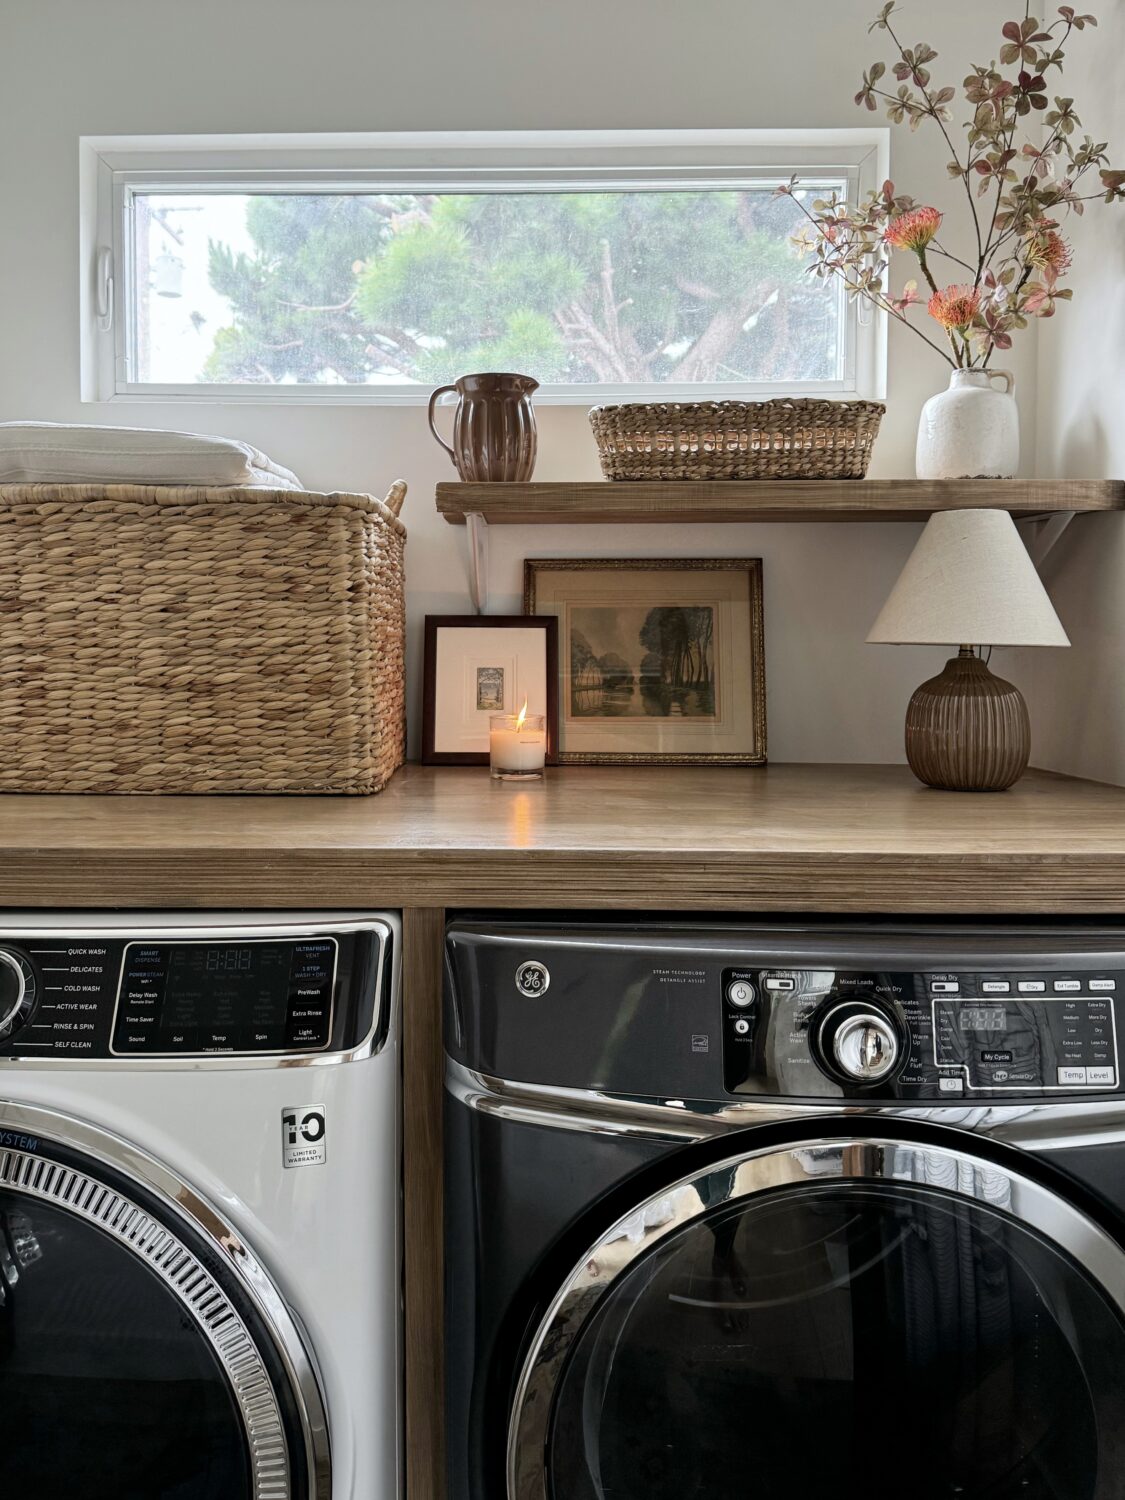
[
  {"x": 943, "y": 1034},
  {"x": 180, "y": 990}
]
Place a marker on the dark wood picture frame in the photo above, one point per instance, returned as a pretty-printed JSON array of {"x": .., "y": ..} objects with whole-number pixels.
[{"x": 433, "y": 624}]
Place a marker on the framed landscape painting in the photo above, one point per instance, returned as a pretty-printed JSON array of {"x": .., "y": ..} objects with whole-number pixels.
[{"x": 661, "y": 661}]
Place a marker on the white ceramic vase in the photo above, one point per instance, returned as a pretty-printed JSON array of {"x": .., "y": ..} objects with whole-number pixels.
[{"x": 972, "y": 430}]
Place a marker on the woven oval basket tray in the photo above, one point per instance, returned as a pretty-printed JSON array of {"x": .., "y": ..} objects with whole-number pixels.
[
  {"x": 181, "y": 639},
  {"x": 786, "y": 438}
]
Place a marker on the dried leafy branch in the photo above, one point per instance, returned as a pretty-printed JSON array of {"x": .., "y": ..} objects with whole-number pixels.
[{"x": 1017, "y": 191}]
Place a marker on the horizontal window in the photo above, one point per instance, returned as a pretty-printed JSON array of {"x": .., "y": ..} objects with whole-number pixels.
[{"x": 599, "y": 265}]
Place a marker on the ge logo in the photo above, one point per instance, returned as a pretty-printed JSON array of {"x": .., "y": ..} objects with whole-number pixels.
[
  {"x": 303, "y": 1136},
  {"x": 532, "y": 979}
]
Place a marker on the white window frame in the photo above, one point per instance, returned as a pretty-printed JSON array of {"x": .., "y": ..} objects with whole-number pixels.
[{"x": 113, "y": 168}]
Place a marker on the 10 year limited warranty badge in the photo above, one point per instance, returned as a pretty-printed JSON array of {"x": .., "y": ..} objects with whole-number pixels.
[{"x": 304, "y": 1140}]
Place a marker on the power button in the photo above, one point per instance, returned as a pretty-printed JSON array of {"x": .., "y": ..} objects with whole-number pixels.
[
  {"x": 532, "y": 979},
  {"x": 740, "y": 992}
]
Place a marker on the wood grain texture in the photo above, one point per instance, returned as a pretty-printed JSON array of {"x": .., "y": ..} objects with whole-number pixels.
[
  {"x": 788, "y": 837},
  {"x": 762, "y": 500},
  {"x": 423, "y": 1338}
]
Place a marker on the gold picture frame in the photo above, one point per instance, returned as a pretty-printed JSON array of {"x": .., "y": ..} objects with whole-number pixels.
[{"x": 653, "y": 669}]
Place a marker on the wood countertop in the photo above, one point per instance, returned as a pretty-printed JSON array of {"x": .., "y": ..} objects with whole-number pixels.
[{"x": 790, "y": 837}]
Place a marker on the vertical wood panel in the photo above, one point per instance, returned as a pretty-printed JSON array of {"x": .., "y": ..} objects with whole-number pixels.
[{"x": 422, "y": 1203}]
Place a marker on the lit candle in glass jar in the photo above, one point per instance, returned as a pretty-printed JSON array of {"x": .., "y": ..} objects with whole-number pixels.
[{"x": 517, "y": 745}]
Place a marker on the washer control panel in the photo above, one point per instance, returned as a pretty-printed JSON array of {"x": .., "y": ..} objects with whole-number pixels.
[
  {"x": 184, "y": 992},
  {"x": 936, "y": 1035}
]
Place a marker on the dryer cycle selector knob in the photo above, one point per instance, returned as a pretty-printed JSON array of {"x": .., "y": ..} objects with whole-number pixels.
[
  {"x": 860, "y": 1042},
  {"x": 865, "y": 1048},
  {"x": 17, "y": 991}
]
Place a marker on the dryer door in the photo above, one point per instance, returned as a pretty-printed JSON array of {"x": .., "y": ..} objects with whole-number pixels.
[
  {"x": 143, "y": 1353},
  {"x": 846, "y": 1317}
]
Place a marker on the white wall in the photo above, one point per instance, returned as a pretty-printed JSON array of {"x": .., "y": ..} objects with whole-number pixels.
[
  {"x": 147, "y": 66},
  {"x": 1078, "y": 696}
]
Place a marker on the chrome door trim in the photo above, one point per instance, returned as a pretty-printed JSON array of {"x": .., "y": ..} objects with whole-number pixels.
[
  {"x": 743, "y": 1176},
  {"x": 214, "y": 927},
  {"x": 22, "y": 1126},
  {"x": 1052, "y": 1125}
]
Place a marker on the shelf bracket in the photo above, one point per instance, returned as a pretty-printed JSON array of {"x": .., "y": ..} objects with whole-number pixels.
[
  {"x": 477, "y": 528},
  {"x": 1045, "y": 532}
]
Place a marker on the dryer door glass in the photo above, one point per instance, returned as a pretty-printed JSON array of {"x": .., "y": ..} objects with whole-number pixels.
[{"x": 880, "y": 1339}]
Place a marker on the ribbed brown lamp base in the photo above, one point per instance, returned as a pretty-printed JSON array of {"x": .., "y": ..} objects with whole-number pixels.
[{"x": 966, "y": 730}]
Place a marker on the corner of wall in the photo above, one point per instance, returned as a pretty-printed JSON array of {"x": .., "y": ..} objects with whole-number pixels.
[{"x": 1077, "y": 696}]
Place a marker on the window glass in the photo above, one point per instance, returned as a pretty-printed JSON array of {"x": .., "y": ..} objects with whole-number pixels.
[{"x": 646, "y": 288}]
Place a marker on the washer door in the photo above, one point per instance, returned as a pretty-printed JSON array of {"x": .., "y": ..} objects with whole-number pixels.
[
  {"x": 862, "y": 1317},
  {"x": 143, "y": 1354}
]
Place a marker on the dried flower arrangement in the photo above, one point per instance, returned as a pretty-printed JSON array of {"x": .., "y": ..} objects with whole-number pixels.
[{"x": 1020, "y": 254}]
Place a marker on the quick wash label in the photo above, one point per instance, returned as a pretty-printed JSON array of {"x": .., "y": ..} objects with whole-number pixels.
[{"x": 304, "y": 1140}]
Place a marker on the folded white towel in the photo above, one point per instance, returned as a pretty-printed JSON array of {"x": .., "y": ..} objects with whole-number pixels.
[{"x": 56, "y": 453}]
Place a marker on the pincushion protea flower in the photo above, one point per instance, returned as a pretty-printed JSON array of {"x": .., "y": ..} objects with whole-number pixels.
[
  {"x": 1049, "y": 252},
  {"x": 955, "y": 306},
  {"x": 913, "y": 230}
]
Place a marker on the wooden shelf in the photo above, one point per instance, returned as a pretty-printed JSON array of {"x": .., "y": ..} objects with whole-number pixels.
[{"x": 591, "y": 502}]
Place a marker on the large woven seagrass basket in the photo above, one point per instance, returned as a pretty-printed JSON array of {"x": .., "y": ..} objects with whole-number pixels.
[
  {"x": 182, "y": 639},
  {"x": 787, "y": 438}
]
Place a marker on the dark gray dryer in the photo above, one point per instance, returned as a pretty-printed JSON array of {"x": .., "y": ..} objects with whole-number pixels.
[{"x": 787, "y": 1211}]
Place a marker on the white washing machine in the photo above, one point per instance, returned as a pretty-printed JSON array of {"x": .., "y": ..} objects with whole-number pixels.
[{"x": 199, "y": 1206}]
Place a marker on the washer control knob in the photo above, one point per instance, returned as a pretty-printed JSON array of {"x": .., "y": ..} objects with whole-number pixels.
[
  {"x": 532, "y": 979},
  {"x": 740, "y": 992},
  {"x": 13, "y": 988},
  {"x": 865, "y": 1047}
]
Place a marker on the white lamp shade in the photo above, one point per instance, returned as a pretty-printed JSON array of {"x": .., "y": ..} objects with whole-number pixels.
[{"x": 969, "y": 581}]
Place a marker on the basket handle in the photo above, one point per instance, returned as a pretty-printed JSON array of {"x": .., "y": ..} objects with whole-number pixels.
[
  {"x": 441, "y": 391},
  {"x": 395, "y": 496}
]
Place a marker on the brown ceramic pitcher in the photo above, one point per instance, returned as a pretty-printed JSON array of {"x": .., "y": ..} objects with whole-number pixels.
[{"x": 494, "y": 435}]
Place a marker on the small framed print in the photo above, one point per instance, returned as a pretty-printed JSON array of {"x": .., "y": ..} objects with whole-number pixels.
[
  {"x": 478, "y": 665},
  {"x": 661, "y": 660}
]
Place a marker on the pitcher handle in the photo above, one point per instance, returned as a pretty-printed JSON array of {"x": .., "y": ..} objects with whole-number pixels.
[
  {"x": 1007, "y": 377},
  {"x": 441, "y": 391}
]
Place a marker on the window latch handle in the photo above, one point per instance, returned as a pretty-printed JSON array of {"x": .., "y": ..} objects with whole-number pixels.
[{"x": 103, "y": 289}]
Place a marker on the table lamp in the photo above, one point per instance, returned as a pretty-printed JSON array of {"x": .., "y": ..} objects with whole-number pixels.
[{"x": 969, "y": 579}]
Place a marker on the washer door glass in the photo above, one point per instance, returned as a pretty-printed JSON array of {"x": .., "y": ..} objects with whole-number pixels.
[
  {"x": 108, "y": 1388},
  {"x": 844, "y": 1339}
]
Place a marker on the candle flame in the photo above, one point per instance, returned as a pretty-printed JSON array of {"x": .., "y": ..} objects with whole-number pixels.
[{"x": 522, "y": 715}]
